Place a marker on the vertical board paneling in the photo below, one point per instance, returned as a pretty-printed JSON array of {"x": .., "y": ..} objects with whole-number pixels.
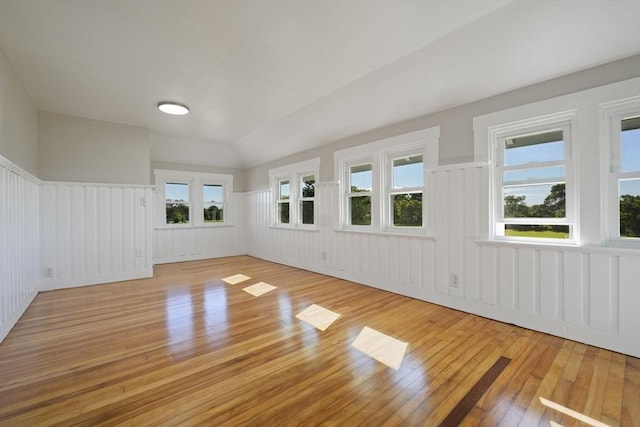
[
  {"x": 549, "y": 284},
  {"x": 629, "y": 294},
  {"x": 573, "y": 287},
  {"x": 91, "y": 234},
  {"x": 489, "y": 277},
  {"x": 507, "y": 277},
  {"x": 19, "y": 243},
  {"x": 600, "y": 292},
  {"x": 527, "y": 281}
]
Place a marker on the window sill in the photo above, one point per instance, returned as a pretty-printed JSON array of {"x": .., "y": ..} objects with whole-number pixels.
[
  {"x": 560, "y": 247},
  {"x": 190, "y": 227},
  {"x": 386, "y": 233},
  {"x": 294, "y": 227}
]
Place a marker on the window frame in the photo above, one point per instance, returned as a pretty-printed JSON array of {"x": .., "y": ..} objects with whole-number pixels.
[
  {"x": 294, "y": 173},
  {"x": 564, "y": 120},
  {"x": 196, "y": 181},
  {"x": 612, "y": 114},
  {"x": 306, "y": 199},
  {"x": 380, "y": 155},
  {"x": 189, "y": 202}
]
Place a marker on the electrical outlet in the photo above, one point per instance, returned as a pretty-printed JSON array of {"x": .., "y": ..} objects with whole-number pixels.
[
  {"x": 48, "y": 272},
  {"x": 138, "y": 252},
  {"x": 324, "y": 255},
  {"x": 454, "y": 280}
]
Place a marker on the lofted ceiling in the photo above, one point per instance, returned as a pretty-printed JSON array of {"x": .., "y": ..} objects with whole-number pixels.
[{"x": 265, "y": 79}]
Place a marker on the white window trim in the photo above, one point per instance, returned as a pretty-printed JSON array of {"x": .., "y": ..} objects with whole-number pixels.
[
  {"x": 611, "y": 114},
  {"x": 497, "y": 133},
  {"x": 378, "y": 153},
  {"x": 195, "y": 180},
  {"x": 294, "y": 173}
]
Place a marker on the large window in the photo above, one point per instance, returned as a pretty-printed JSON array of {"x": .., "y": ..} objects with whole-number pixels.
[
  {"x": 383, "y": 183},
  {"x": 192, "y": 199},
  {"x": 294, "y": 190},
  {"x": 177, "y": 203},
  {"x": 533, "y": 176},
  {"x": 622, "y": 121}
]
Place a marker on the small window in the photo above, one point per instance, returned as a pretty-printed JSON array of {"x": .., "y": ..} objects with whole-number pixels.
[
  {"x": 307, "y": 199},
  {"x": 405, "y": 194},
  {"x": 359, "y": 194},
  {"x": 628, "y": 178},
  {"x": 213, "y": 203},
  {"x": 532, "y": 186},
  {"x": 283, "y": 201},
  {"x": 177, "y": 203}
]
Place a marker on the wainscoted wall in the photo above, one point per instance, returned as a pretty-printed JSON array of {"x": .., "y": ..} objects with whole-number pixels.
[
  {"x": 191, "y": 243},
  {"x": 94, "y": 233},
  {"x": 19, "y": 243},
  {"x": 586, "y": 294}
]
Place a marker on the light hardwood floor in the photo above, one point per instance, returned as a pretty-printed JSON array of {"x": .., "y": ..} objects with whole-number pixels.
[{"x": 184, "y": 348}]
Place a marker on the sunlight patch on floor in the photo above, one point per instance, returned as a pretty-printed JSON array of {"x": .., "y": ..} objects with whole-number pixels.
[
  {"x": 383, "y": 348},
  {"x": 236, "y": 278},
  {"x": 318, "y": 317},
  {"x": 259, "y": 288}
]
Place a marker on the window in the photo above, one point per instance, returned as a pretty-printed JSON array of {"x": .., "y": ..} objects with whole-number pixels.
[
  {"x": 360, "y": 180},
  {"x": 213, "y": 203},
  {"x": 177, "y": 203},
  {"x": 405, "y": 190},
  {"x": 283, "y": 201},
  {"x": 532, "y": 174},
  {"x": 622, "y": 124},
  {"x": 294, "y": 189},
  {"x": 307, "y": 199},
  {"x": 383, "y": 183},
  {"x": 192, "y": 199}
]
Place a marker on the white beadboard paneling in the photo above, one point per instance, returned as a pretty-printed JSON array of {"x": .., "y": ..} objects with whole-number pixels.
[
  {"x": 19, "y": 243},
  {"x": 577, "y": 293},
  {"x": 91, "y": 233}
]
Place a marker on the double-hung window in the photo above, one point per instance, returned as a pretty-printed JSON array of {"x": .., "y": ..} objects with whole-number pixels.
[
  {"x": 192, "y": 199},
  {"x": 177, "y": 203},
  {"x": 382, "y": 183},
  {"x": 294, "y": 190},
  {"x": 359, "y": 193},
  {"x": 622, "y": 121},
  {"x": 404, "y": 190},
  {"x": 534, "y": 177}
]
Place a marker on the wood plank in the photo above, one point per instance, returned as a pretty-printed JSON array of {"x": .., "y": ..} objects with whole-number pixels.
[{"x": 184, "y": 348}]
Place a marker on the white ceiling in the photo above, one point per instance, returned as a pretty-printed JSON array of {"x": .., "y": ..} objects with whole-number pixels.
[{"x": 265, "y": 79}]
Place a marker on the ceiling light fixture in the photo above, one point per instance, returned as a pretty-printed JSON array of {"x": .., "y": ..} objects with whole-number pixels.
[{"x": 173, "y": 108}]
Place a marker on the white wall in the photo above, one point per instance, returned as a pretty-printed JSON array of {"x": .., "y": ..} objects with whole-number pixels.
[
  {"x": 19, "y": 243},
  {"x": 83, "y": 150},
  {"x": 588, "y": 295},
  {"x": 94, "y": 233}
]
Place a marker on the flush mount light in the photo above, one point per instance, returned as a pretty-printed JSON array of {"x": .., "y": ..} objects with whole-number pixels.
[{"x": 173, "y": 108}]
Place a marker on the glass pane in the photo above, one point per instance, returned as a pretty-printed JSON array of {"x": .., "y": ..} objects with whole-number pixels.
[
  {"x": 537, "y": 231},
  {"x": 549, "y": 175},
  {"x": 360, "y": 209},
  {"x": 214, "y": 212},
  {"x": 307, "y": 211},
  {"x": 361, "y": 178},
  {"x": 212, "y": 193},
  {"x": 308, "y": 186},
  {"x": 629, "y": 192},
  {"x": 177, "y": 213},
  {"x": 176, "y": 192},
  {"x": 283, "y": 212},
  {"x": 630, "y": 145},
  {"x": 535, "y": 201},
  {"x": 284, "y": 190},
  {"x": 407, "y": 209},
  {"x": 408, "y": 172},
  {"x": 541, "y": 147}
]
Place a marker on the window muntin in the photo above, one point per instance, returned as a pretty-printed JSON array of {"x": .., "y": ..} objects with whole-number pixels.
[
  {"x": 307, "y": 199},
  {"x": 627, "y": 174},
  {"x": 213, "y": 203},
  {"x": 283, "y": 201},
  {"x": 177, "y": 203},
  {"x": 360, "y": 179},
  {"x": 406, "y": 188},
  {"x": 532, "y": 185}
]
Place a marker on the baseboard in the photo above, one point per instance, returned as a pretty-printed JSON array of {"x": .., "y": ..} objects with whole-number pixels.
[
  {"x": 15, "y": 316},
  {"x": 53, "y": 284}
]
